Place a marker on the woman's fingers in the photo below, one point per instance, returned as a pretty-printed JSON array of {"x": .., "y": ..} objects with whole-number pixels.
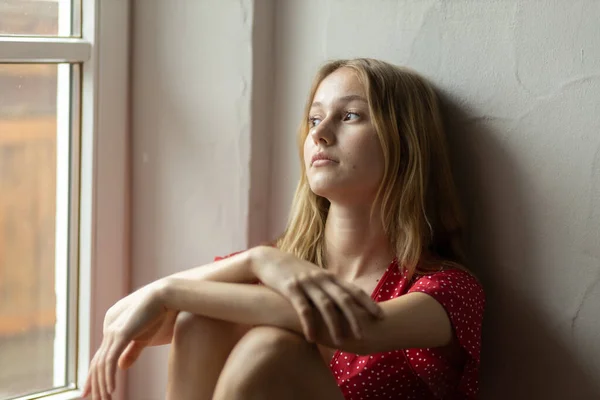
[
  {"x": 87, "y": 387},
  {"x": 124, "y": 359},
  {"x": 326, "y": 307},
  {"x": 103, "y": 368},
  {"x": 101, "y": 381},
  {"x": 110, "y": 370},
  {"x": 95, "y": 388},
  {"x": 131, "y": 354},
  {"x": 305, "y": 312},
  {"x": 116, "y": 348},
  {"x": 99, "y": 370},
  {"x": 362, "y": 298},
  {"x": 348, "y": 298},
  {"x": 346, "y": 303}
]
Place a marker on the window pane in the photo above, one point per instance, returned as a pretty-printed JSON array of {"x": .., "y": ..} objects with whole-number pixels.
[
  {"x": 33, "y": 226},
  {"x": 40, "y": 17}
]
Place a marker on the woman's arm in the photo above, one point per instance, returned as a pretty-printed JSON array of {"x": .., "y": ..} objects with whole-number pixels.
[
  {"x": 232, "y": 269},
  {"x": 235, "y": 269},
  {"x": 239, "y": 303},
  {"x": 414, "y": 320},
  {"x": 309, "y": 289}
]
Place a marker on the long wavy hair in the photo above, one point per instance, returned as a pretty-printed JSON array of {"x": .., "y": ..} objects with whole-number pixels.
[{"x": 420, "y": 210}]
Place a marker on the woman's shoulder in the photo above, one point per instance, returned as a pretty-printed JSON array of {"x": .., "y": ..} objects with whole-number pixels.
[
  {"x": 449, "y": 282},
  {"x": 446, "y": 272},
  {"x": 444, "y": 275},
  {"x": 431, "y": 267}
]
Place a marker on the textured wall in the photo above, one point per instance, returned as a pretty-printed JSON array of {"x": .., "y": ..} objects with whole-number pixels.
[
  {"x": 521, "y": 87},
  {"x": 191, "y": 101}
]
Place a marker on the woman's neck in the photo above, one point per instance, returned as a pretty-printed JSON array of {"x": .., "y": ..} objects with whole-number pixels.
[{"x": 355, "y": 244}]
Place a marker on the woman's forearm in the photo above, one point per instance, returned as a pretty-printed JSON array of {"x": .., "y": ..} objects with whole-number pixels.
[
  {"x": 243, "y": 304},
  {"x": 237, "y": 268},
  {"x": 234, "y": 302}
]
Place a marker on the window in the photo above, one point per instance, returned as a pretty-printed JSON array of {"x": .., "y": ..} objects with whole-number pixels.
[{"x": 63, "y": 188}]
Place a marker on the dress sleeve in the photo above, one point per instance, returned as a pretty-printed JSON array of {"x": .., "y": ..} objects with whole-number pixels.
[
  {"x": 462, "y": 296},
  {"x": 219, "y": 258}
]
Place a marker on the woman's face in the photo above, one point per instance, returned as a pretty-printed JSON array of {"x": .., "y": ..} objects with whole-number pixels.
[{"x": 341, "y": 131}]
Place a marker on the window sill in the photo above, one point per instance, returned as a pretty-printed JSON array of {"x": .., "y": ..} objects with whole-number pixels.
[{"x": 59, "y": 394}]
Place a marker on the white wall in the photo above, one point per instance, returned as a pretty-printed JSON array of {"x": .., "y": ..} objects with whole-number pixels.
[
  {"x": 521, "y": 82},
  {"x": 192, "y": 76}
]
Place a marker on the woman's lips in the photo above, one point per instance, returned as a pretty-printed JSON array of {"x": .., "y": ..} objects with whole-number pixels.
[{"x": 322, "y": 163}]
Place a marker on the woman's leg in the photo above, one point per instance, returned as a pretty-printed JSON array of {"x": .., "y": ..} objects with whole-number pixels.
[
  {"x": 198, "y": 352},
  {"x": 273, "y": 363}
]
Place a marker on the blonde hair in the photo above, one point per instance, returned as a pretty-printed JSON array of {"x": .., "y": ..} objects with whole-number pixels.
[{"x": 420, "y": 210}]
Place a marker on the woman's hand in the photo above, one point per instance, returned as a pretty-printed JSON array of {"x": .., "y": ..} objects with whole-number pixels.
[
  {"x": 303, "y": 283},
  {"x": 127, "y": 330}
]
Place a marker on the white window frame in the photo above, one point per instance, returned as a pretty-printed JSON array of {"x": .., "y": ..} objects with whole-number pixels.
[{"x": 104, "y": 173}]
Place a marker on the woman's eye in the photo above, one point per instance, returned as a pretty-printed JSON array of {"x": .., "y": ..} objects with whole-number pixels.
[
  {"x": 350, "y": 116},
  {"x": 314, "y": 121}
]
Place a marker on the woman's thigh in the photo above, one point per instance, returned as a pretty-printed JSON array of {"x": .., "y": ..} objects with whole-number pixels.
[{"x": 196, "y": 329}]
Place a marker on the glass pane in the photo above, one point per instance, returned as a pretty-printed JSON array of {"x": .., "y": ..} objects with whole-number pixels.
[
  {"x": 33, "y": 330},
  {"x": 40, "y": 17}
]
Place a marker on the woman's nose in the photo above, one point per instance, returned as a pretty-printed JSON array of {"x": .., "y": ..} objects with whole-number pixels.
[{"x": 323, "y": 133}]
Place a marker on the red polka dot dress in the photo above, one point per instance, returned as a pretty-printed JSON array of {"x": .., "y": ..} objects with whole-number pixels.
[{"x": 429, "y": 373}]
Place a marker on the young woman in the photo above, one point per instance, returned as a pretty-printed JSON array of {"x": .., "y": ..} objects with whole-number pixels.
[{"x": 375, "y": 212}]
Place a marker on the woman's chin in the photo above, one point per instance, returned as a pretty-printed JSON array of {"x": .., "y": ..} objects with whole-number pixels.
[
  {"x": 330, "y": 190},
  {"x": 323, "y": 190}
]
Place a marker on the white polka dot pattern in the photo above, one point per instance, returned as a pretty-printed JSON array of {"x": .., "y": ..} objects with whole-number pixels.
[{"x": 421, "y": 373}]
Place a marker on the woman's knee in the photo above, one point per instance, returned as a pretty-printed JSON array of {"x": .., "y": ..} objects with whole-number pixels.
[
  {"x": 261, "y": 352},
  {"x": 271, "y": 340},
  {"x": 258, "y": 361},
  {"x": 188, "y": 325}
]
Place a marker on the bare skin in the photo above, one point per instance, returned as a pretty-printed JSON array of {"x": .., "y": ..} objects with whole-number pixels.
[{"x": 199, "y": 350}]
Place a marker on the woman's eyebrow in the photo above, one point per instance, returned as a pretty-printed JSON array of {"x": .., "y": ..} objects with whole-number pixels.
[{"x": 343, "y": 99}]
